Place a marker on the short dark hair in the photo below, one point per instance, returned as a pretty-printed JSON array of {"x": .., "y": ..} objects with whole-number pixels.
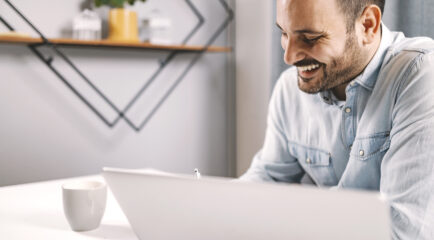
[{"x": 352, "y": 9}]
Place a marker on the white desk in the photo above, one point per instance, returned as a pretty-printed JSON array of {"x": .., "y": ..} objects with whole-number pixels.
[{"x": 35, "y": 211}]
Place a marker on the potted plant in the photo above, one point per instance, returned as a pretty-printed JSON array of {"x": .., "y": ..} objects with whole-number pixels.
[{"x": 122, "y": 22}]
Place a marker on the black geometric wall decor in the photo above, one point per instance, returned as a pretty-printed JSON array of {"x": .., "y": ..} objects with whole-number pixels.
[{"x": 121, "y": 113}]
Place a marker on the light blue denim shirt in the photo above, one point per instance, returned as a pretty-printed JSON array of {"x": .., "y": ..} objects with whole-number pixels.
[{"x": 381, "y": 138}]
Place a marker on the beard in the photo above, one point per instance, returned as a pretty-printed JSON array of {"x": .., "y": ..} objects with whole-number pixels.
[{"x": 340, "y": 70}]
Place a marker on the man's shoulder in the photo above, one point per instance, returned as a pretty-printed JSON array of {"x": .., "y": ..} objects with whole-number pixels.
[
  {"x": 287, "y": 80},
  {"x": 405, "y": 63},
  {"x": 289, "y": 74},
  {"x": 406, "y": 50},
  {"x": 286, "y": 88},
  {"x": 404, "y": 56},
  {"x": 287, "y": 94},
  {"x": 415, "y": 44}
]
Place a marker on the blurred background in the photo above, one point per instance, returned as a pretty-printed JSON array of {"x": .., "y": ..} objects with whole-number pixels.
[{"x": 213, "y": 120}]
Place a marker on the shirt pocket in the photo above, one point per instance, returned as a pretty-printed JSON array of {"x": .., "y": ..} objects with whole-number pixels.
[
  {"x": 316, "y": 163},
  {"x": 371, "y": 148}
]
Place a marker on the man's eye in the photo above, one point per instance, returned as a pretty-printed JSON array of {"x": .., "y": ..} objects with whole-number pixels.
[{"x": 311, "y": 40}]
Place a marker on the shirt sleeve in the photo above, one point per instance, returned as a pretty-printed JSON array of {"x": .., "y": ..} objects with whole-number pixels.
[
  {"x": 273, "y": 162},
  {"x": 407, "y": 169}
]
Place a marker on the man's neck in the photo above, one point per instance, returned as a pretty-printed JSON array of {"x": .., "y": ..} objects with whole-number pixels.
[{"x": 339, "y": 92}]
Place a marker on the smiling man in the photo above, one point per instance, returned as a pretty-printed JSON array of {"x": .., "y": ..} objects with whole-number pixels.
[{"x": 356, "y": 110}]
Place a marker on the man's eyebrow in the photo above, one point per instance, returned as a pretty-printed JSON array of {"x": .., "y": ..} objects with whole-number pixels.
[
  {"x": 279, "y": 27},
  {"x": 309, "y": 31},
  {"x": 303, "y": 31}
]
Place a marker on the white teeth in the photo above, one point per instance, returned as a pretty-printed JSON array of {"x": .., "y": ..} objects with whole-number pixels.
[{"x": 309, "y": 68}]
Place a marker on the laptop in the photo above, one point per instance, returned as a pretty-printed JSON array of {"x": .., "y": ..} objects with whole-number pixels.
[{"x": 162, "y": 206}]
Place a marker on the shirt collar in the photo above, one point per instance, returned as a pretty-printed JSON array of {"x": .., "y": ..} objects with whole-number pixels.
[{"x": 368, "y": 77}]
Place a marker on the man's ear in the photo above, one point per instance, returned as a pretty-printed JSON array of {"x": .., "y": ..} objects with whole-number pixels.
[{"x": 370, "y": 24}]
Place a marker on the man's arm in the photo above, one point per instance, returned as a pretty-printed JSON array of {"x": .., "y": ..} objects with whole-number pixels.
[
  {"x": 407, "y": 170},
  {"x": 273, "y": 162}
]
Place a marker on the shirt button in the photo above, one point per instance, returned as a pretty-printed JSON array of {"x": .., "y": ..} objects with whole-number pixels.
[
  {"x": 308, "y": 161},
  {"x": 347, "y": 110},
  {"x": 362, "y": 153},
  {"x": 352, "y": 83}
]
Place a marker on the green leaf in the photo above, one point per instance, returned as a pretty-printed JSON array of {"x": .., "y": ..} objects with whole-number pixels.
[
  {"x": 115, "y": 3},
  {"x": 118, "y": 3}
]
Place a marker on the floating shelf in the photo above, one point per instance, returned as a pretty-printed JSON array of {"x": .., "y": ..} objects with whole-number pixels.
[{"x": 110, "y": 44}]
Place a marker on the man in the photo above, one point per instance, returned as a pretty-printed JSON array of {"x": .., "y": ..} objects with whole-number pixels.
[{"x": 356, "y": 111}]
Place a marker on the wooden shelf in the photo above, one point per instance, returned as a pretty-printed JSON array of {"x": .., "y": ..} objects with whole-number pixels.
[{"x": 110, "y": 44}]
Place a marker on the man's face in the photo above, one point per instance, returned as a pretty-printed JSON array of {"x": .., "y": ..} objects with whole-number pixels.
[{"x": 315, "y": 39}]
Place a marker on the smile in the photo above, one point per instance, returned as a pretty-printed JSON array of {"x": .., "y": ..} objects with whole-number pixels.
[
  {"x": 308, "y": 72},
  {"x": 309, "y": 68}
]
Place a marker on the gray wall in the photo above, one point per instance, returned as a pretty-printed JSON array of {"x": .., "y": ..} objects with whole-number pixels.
[
  {"x": 46, "y": 132},
  {"x": 278, "y": 65},
  {"x": 254, "y": 24},
  {"x": 414, "y": 18}
]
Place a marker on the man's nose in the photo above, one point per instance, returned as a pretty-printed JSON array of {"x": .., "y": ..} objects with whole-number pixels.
[{"x": 293, "y": 52}]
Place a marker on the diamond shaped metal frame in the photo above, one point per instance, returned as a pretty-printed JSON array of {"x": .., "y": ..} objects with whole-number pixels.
[{"x": 121, "y": 113}]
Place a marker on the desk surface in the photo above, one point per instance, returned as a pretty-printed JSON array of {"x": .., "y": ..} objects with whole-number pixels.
[{"x": 35, "y": 211}]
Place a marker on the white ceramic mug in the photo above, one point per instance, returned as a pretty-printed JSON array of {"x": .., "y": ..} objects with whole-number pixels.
[{"x": 84, "y": 204}]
